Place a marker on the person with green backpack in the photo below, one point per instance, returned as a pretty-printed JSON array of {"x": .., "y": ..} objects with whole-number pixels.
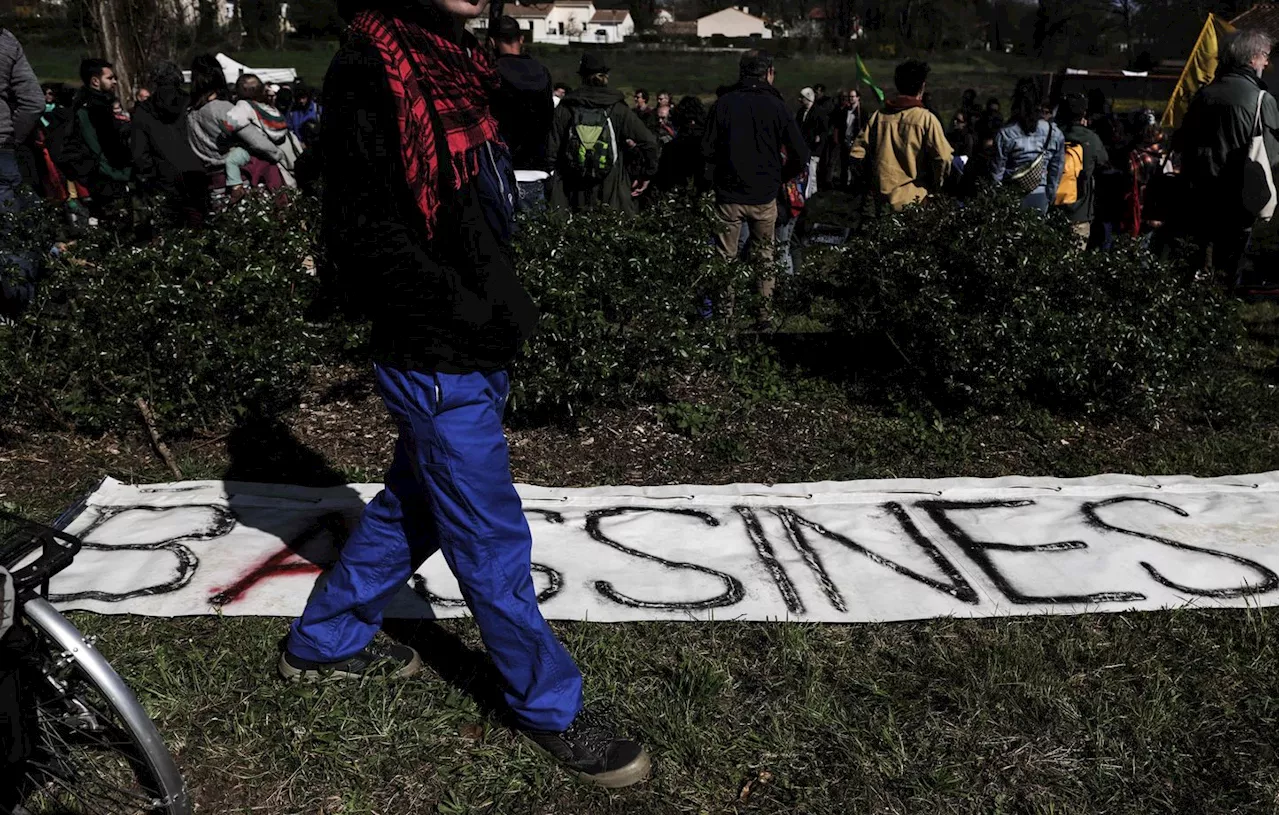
[{"x": 590, "y": 135}]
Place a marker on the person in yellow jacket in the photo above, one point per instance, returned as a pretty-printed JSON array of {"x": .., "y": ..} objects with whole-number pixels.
[{"x": 903, "y": 149}]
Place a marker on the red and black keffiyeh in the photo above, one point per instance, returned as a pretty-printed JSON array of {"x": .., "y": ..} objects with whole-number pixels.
[{"x": 425, "y": 68}]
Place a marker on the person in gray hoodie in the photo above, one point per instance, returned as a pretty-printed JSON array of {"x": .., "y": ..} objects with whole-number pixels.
[
  {"x": 21, "y": 103},
  {"x": 210, "y": 132}
]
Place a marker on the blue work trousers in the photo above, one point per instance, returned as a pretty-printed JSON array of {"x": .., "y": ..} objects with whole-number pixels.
[{"x": 449, "y": 489}]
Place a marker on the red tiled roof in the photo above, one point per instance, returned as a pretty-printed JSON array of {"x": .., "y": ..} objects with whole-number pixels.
[
  {"x": 1262, "y": 15},
  {"x": 680, "y": 27},
  {"x": 534, "y": 11},
  {"x": 611, "y": 16}
]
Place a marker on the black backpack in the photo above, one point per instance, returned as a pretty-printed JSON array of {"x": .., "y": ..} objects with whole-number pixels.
[{"x": 66, "y": 144}]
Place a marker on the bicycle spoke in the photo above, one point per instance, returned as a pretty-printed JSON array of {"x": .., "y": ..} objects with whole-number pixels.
[
  {"x": 90, "y": 760},
  {"x": 93, "y": 790}
]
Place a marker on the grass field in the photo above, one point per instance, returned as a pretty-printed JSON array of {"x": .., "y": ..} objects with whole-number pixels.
[
  {"x": 1168, "y": 712},
  {"x": 679, "y": 72}
]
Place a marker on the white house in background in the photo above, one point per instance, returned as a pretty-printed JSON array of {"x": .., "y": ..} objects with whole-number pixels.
[
  {"x": 532, "y": 18},
  {"x": 569, "y": 20},
  {"x": 734, "y": 22},
  {"x": 610, "y": 26},
  {"x": 662, "y": 18},
  {"x": 563, "y": 22}
]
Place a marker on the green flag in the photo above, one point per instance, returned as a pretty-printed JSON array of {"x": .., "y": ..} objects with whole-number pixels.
[{"x": 864, "y": 76}]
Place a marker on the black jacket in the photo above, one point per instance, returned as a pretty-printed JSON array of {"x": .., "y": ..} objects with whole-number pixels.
[
  {"x": 523, "y": 107},
  {"x": 746, "y": 131},
  {"x": 161, "y": 152},
  {"x": 107, "y": 139},
  {"x": 450, "y": 303},
  {"x": 1215, "y": 136}
]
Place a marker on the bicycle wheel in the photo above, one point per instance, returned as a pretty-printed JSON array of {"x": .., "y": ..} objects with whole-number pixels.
[{"x": 97, "y": 751}]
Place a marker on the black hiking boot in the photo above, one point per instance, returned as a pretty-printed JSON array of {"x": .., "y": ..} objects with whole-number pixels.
[
  {"x": 377, "y": 659},
  {"x": 592, "y": 749}
]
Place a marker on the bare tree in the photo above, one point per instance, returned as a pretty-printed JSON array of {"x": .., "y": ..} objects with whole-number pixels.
[{"x": 134, "y": 34}]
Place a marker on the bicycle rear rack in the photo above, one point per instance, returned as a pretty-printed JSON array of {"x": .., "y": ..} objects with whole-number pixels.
[{"x": 19, "y": 539}]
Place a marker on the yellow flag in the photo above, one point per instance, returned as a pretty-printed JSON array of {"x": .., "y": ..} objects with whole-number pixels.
[{"x": 1198, "y": 72}]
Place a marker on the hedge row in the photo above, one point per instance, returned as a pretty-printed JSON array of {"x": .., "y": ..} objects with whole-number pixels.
[{"x": 986, "y": 305}]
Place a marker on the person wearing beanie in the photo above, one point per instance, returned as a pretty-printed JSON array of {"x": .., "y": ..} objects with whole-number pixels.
[
  {"x": 752, "y": 146},
  {"x": 595, "y": 140},
  {"x": 417, "y": 218}
]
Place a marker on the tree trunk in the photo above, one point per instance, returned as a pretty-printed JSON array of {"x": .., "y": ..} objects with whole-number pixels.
[{"x": 134, "y": 34}]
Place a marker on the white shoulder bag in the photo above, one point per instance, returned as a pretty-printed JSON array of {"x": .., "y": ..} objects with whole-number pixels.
[{"x": 1259, "y": 187}]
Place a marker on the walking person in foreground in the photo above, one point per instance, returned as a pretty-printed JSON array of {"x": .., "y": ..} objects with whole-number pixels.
[{"x": 418, "y": 212}]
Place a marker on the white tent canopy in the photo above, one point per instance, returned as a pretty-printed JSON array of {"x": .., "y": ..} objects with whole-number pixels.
[{"x": 232, "y": 71}]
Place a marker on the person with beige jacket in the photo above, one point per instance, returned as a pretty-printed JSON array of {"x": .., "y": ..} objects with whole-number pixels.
[{"x": 903, "y": 149}]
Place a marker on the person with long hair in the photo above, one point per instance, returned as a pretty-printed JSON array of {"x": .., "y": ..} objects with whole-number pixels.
[
  {"x": 1029, "y": 149},
  {"x": 417, "y": 221}
]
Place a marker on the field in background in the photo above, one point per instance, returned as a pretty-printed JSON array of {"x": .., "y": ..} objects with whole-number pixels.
[{"x": 680, "y": 72}]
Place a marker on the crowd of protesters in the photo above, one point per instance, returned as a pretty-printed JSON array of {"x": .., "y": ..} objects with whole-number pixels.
[
  {"x": 189, "y": 145},
  {"x": 200, "y": 143},
  {"x": 427, "y": 147}
]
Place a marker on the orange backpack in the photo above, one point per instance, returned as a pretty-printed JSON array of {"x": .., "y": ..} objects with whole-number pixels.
[{"x": 1072, "y": 166}]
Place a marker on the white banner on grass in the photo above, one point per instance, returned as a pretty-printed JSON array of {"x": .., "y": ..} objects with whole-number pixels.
[{"x": 859, "y": 551}]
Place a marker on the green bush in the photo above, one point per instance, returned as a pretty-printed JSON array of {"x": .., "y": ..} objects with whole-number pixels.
[
  {"x": 623, "y": 304},
  {"x": 988, "y": 305},
  {"x": 203, "y": 324}
]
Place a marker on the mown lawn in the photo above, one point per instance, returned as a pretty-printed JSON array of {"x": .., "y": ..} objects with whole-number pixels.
[{"x": 1168, "y": 712}]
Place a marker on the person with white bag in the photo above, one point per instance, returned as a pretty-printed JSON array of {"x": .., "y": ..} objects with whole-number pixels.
[{"x": 1228, "y": 142}]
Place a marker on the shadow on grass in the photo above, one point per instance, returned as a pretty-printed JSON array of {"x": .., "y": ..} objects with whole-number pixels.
[
  {"x": 263, "y": 449},
  {"x": 468, "y": 669}
]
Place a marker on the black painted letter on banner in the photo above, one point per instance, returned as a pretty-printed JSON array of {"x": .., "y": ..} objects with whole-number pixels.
[
  {"x": 977, "y": 550},
  {"x": 1269, "y": 578},
  {"x": 733, "y": 587}
]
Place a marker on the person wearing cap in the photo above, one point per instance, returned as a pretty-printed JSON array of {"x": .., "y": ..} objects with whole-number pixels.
[
  {"x": 417, "y": 220},
  {"x": 1075, "y": 114},
  {"x": 592, "y": 106},
  {"x": 752, "y": 146},
  {"x": 523, "y": 106}
]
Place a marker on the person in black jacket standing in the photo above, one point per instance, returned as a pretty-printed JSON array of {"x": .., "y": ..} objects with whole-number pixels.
[
  {"x": 163, "y": 162},
  {"x": 109, "y": 162},
  {"x": 523, "y": 107},
  {"x": 417, "y": 218},
  {"x": 752, "y": 146}
]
